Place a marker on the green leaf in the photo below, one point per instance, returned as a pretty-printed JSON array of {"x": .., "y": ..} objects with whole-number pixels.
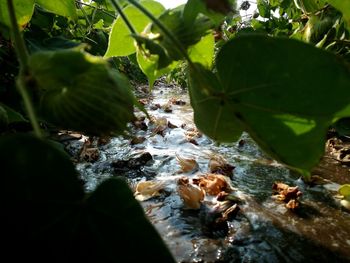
[
  {"x": 35, "y": 171},
  {"x": 311, "y": 6},
  {"x": 23, "y": 9},
  {"x": 345, "y": 190},
  {"x": 62, "y": 7},
  {"x": 264, "y": 8},
  {"x": 149, "y": 64},
  {"x": 344, "y": 7},
  {"x": 12, "y": 115},
  {"x": 78, "y": 91},
  {"x": 47, "y": 215},
  {"x": 116, "y": 216},
  {"x": 121, "y": 43},
  {"x": 267, "y": 98},
  {"x": 203, "y": 51},
  {"x": 4, "y": 119},
  {"x": 187, "y": 35},
  {"x": 269, "y": 83},
  {"x": 213, "y": 113}
]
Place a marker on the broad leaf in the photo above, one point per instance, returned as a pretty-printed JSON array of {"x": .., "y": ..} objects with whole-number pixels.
[
  {"x": 62, "y": 7},
  {"x": 12, "y": 115},
  {"x": 78, "y": 91},
  {"x": 270, "y": 82},
  {"x": 47, "y": 215},
  {"x": 213, "y": 114},
  {"x": 203, "y": 51},
  {"x": 23, "y": 9},
  {"x": 187, "y": 35},
  {"x": 264, "y": 8},
  {"x": 4, "y": 119},
  {"x": 345, "y": 190},
  {"x": 121, "y": 43},
  {"x": 115, "y": 215},
  {"x": 344, "y": 7},
  {"x": 149, "y": 65}
]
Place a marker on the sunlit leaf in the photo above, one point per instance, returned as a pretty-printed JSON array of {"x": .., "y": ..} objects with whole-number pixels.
[
  {"x": 269, "y": 100},
  {"x": 270, "y": 95},
  {"x": 121, "y": 43},
  {"x": 78, "y": 91},
  {"x": 213, "y": 114},
  {"x": 344, "y": 7},
  {"x": 345, "y": 190},
  {"x": 23, "y": 9},
  {"x": 203, "y": 51},
  {"x": 62, "y": 7}
]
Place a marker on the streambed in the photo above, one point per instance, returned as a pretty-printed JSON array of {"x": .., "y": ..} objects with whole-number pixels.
[{"x": 263, "y": 230}]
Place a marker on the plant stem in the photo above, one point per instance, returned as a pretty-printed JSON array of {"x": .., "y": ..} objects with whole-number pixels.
[
  {"x": 125, "y": 19},
  {"x": 23, "y": 72},
  {"x": 19, "y": 42},
  {"x": 28, "y": 105},
  {"x": 163, "y": 28}
]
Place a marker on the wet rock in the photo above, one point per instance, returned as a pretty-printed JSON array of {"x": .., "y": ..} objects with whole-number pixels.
[
  {"x": 137, "y": 140},
  {"x": 218, "y": 165},
  {"x": 214, "y": 219},
  {"x": 178, "y": 102},
  {"x": 132, "y": 163},
  {"x": 155, "y": 106}
]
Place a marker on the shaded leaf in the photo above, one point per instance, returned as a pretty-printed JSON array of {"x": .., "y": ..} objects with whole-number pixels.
[
  {"x": 78, "y": 91},
  {"x": 187, "y": 35},
  {"x": 121, "y": 43},
  {"x": 23, "y": 9},
  {"x": 117, "y": 217},
  {"x": 264, "y": 8},
  {"x": 62, "y": 7},
  {"x": 12, "y": 115}
]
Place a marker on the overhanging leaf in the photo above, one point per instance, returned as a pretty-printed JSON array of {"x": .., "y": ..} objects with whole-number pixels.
[
  {"x": 344, "y": 7},
  {"x": 268, "y": 84},
  {"x": 203, "y": 51},
  {"x": 62, "y": 7},
  {"x": 121, "y": 43},
  {"x": 23, "y": 9},
  {"x": 213, "y": 114},
  {"x": 118, "y": 217},
  {"x": 78, "y": 91},
  {"x": 265, "y": 91}
]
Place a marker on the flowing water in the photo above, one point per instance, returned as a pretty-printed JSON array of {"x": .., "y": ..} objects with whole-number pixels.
[{"x": 264, "y": 230}]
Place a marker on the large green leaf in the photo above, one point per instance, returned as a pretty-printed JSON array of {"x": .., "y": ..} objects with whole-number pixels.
[
  {"x": 62, "y": 7},
  {"x": 23, "y": 9},
  {"x": 203, "y": 51},
  {"x": 78, "y": 91},
  {"x": 284, "y": 93},
  {"x": 344, "y": 7},
  {"x": 115, "y": 215},
  {"x": 213, "y": 114},
  {"x": 121, "y": 42},
  {"x": 46, "y": 215}
]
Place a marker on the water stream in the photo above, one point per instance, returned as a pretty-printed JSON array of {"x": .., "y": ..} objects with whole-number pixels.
[{"x": 264, "y": 230}]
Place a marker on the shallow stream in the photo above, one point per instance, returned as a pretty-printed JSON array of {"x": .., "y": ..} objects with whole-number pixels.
[{"x": 264, "y": 230}]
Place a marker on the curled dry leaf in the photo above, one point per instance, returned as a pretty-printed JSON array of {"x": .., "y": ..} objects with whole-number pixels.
[
  {"x": 213, "y": 184},
  {"x": 148, "y": 189},
  {"x": 160, "y": 125},
  {"x": 287, "y": 194},
  {"x": 187, "y": 165},
  {"x": 191, "y": 195}
]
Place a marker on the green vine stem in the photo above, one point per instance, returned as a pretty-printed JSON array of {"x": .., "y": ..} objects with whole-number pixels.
[
  {"x": 123, "y": 16},
  {"x": 165, "y": 31},
  {"x": 23, "y": 72}
]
